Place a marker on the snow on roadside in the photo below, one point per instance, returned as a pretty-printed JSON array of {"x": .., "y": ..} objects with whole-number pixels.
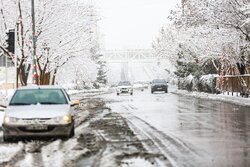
[
  {"x": 9, "y": 151},
  {"x": 87, "y": 91},
  {"x": 1, "y": 117},
  {"x": 136, "y": 162},
  {"x": 60, "y": 153},
  {"x": 221, "y": 97}
]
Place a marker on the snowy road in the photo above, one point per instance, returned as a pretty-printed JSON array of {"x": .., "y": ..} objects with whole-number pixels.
[
  {"x": 143, "y": 130},
  {"x": 187, "y": 131}
]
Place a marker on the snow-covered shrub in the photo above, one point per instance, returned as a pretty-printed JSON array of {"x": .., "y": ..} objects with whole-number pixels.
[{"x": 205, "y": 83}]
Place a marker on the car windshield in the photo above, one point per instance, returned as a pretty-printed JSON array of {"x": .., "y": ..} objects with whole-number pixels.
[
  {"x": 42, "y": 96},
  {"x": 124, "y": 83},
  {"x": 159, "y": 81}
]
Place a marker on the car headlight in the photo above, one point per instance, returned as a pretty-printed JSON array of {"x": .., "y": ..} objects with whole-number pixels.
[
  {"x": 10, "y": 120},
  {"x": 67, "y": 119},
  {"x": 63, "y": 120}
]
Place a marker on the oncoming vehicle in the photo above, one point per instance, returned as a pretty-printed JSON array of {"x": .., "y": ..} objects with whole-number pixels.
[
  {"x": 159, "y": 85},
  {"x": 124, "y": 87},
  {"x": 38, "y": 111},
  {"x": 138, "y": 85}
]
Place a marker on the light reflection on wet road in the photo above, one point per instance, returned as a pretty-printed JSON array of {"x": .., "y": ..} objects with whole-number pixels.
[{"x": 219, "y": 132}]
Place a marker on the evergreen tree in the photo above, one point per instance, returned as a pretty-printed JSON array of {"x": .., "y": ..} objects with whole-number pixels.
[{"x": 101, "y": 79}]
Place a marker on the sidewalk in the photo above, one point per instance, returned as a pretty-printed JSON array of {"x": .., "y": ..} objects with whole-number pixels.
[{"x": 221, "y": 97}]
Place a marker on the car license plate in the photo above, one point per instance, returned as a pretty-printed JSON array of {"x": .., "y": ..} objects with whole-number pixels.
[
  {"x": 159, "y": 88},
  {"x": 37, "y": 127}
]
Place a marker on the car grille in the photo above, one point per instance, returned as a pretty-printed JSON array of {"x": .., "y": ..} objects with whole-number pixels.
[
  {"x": 24, "y": 129},
  {"x": 36, "y": 120}
]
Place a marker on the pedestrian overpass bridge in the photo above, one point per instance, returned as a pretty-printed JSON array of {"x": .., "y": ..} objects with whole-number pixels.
[{"x": 133, "y": 64}]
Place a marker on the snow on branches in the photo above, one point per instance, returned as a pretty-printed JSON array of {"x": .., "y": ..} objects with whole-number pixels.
[
  {"x": 206, "y": 31},
  {"x": 64, "y": 29}
]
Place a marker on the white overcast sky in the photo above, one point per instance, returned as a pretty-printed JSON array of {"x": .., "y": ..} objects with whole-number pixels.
[{"x": 132, "y": 24}]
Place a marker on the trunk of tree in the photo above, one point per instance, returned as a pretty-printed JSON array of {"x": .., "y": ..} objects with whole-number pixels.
[
  {"x": 54, "y": 77},
  {"x": 44, "y": 78},
  {"x": 24, "y": 74}
]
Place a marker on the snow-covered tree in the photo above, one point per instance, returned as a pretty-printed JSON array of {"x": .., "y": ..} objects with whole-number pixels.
[
  {"x": 202, "y": 33},
  {"x": 63, "y": 29},
  {"x": 208, "y": 36},
  {"x": 101, "y": 79}
]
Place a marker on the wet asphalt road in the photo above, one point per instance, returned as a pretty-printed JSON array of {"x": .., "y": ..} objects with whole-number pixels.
[{"x": 191, "y": 132}]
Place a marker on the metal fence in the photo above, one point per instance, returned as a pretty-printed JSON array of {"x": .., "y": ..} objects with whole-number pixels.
[{"x": 234, "y": 83}]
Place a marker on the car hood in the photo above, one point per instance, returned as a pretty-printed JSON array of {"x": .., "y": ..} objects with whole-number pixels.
[{"x": 38, "y": 111}]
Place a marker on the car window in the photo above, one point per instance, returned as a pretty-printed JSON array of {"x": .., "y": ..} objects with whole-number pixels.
[{"x": 42, "y": 96}]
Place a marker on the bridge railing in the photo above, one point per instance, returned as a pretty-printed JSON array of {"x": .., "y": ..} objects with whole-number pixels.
[{"x": 128, "y": 55}]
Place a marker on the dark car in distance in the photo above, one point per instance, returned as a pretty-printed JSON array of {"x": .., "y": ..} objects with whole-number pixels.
[{"x": 159, "y": 85}]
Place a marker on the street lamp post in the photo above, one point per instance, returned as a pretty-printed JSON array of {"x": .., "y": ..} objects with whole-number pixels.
[{"x": 34, "y": 38}]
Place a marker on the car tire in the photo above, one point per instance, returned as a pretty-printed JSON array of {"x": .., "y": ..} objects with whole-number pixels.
[
  {"x": 118, "y": 94},
  {"x": 131, "y": 93},
  {"x": 166, "y": 91},
  {"x": 152, "y": 92}
]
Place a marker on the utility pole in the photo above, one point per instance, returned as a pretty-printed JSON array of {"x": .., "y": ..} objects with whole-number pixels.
[
  {"x": 16, "y": 43},
  {"x": 34, "y": 38},
  {"x": 6, "y": 75}
]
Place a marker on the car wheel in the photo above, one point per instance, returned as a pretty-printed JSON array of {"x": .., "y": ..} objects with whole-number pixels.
[
  {"x": 166, "y": 91},
  {"x": 131, "y": 93},
  {"x": 118, "y": 94},
  {"x": 152, "y": 92}
]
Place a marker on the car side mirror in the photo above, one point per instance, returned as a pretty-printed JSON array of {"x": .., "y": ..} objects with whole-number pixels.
[
  {"x": 75, "y": 103},
  {"x": 3, "y": 106}
]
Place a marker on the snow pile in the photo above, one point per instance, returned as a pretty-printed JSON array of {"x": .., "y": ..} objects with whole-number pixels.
[
  {"x": 137, "y": 162},
  {"x": 2, "y": 101},
  {"x": 60, "y": 153},
  {"x": 220, "y": 97},
  {"x": 1, "y": 117},
  {"x": 88, "y": 91},
  {"x": 8, "y": 152},
  {"x": 109, "y": 159}
]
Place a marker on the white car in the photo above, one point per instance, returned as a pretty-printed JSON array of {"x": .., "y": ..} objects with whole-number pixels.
[
  {"x": 138, "y": 85},
  {"x": 141, "y": 85},
  {"x": 124, "y": 87},
  {"x": 38, "y": 111}
]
